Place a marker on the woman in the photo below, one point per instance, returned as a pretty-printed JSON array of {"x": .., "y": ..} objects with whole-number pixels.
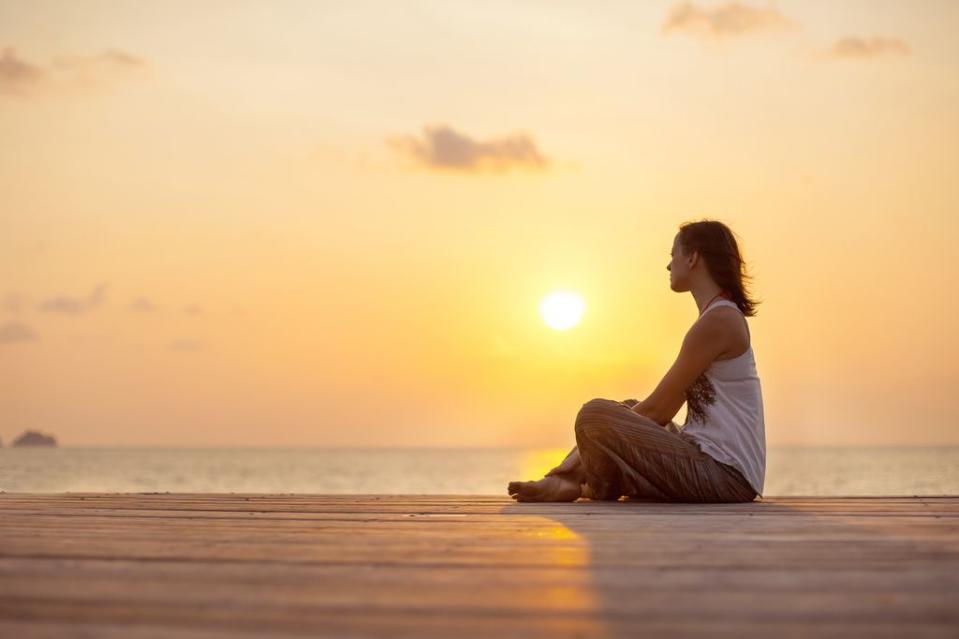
[{"x": 634, "y": 448}]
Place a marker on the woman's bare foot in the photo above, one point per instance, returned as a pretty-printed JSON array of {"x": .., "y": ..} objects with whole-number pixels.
[{"x": 552, "y": 488}]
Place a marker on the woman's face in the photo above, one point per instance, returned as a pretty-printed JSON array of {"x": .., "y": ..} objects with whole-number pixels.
[{"x": 678, "y": 267}]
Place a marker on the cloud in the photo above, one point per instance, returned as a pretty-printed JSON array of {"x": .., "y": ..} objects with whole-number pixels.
[
  {"x": 17, "y": 76},
  {"x": 12, "y": 332},
  {"x": 730, "y": 20},
  {"x": 143, "y": 305},
  {"x": 21, "y": 78},
  {"x": 192, "y": 310},
  {"x": 443, "y": 148},
  {"x": 855, "y": 47},
  {"x": 74, "y": 305}
]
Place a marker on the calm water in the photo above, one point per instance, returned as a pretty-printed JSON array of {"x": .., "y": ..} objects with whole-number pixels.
[{"x": 789, "y": 471}]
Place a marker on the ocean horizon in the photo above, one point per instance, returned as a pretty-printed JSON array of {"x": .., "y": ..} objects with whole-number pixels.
[{"x": 790, "y": 470}]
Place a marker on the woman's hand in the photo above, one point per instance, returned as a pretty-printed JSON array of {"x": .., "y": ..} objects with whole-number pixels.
[{"x": 637, "y": 407}]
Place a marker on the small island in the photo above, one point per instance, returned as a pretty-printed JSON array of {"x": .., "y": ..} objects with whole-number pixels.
[{"x": 34, "y": 438}]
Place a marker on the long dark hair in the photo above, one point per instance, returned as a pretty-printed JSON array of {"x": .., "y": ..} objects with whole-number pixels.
[{"x": 717, "y": 246}]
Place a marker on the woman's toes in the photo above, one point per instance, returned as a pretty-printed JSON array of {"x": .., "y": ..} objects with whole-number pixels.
[
  {"x": 515, "y": 487},
  {"x": 527, "y": 490},
  {"x": 553, "y": 488}
]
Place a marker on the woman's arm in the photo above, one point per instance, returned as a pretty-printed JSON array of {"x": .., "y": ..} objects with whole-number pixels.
[
  {"x": 645, "y": 408},
  {"x": 704, "y": 342}
]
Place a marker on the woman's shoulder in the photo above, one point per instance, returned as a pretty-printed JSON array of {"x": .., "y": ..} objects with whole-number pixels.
[
  {"x": 731, "y": 325},
  {"x": 722, "y": 316}
]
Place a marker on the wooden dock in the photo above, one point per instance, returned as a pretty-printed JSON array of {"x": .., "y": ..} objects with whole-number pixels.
[{"x": 137, "y": 566}]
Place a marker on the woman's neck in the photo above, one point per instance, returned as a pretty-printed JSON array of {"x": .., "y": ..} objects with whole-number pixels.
[{"x": 704, "y": 299}]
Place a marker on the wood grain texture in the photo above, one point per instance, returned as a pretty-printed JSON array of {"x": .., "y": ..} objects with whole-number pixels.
[{"x": 145, "y": 565}]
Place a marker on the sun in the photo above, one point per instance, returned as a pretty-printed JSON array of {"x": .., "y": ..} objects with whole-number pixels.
[{"x": 562, "y": 310}]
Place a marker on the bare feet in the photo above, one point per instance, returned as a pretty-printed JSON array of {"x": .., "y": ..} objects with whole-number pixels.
[{"x": 552, "y": 488}]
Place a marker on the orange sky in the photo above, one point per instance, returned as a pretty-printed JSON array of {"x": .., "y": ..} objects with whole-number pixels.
[{"x": 286, "y": 223}]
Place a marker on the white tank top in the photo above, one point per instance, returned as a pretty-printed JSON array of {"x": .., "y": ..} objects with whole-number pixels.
[{"x": 724, "y": 413}]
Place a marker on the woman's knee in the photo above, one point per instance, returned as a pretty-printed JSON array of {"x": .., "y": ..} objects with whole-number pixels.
[
  {"x": 595, "y": 414},
  {"x": 588, "y": 417},
  {"x": 593, "y": 408},
  {"x": 593, "y": 420}
]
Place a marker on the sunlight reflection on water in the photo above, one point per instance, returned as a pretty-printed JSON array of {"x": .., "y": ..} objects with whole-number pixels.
[{"x": 789, "y": 471}]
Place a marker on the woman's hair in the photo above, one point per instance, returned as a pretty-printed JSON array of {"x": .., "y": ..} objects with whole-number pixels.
[{"x": 717, "y": 246}]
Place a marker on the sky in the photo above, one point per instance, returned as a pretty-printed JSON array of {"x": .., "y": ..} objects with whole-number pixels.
[{"x": 332, "y": 224}]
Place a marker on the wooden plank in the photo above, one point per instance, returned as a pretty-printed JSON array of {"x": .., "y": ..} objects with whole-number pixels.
[
  {"x": 206, "y": 565},
  {"x": 439, "y": 626}
]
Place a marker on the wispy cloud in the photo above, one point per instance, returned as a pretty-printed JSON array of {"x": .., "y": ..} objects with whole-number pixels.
[
  {"x": 731, "y": 20},
  {"x": 143, "y": 305},
  {"x": 21, "y": 78},
  {"x": 68, "y": 305},
  {"x": 193, "y": 310},
  {"x": 876, "y": 47},
  {"x": 17, "y": 76},
  {"x": 13, "y": 332},
  {"x": 443, "y": 148}
]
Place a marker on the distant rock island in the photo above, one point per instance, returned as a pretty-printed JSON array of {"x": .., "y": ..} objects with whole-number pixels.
[{"x": 34, "y": 438}]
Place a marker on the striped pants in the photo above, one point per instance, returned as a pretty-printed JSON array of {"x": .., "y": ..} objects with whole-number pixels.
[{"x": 625, "y": 453}]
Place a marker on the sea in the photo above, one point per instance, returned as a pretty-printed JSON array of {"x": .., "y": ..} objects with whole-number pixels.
[{"x": 790, "y": 471}]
